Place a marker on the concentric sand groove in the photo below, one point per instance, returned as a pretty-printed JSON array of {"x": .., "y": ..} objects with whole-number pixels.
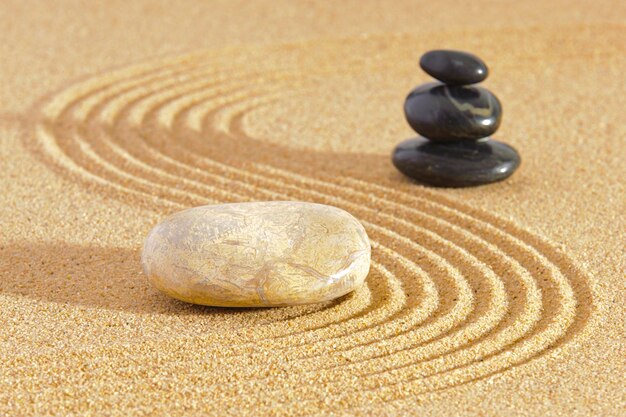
[{"x": 456, "y": 294}]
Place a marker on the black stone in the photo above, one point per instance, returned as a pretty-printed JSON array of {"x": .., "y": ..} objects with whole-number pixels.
[
  {"x": 454, "y": 67},
  {"x": 450, "y": 113},
  {"x": 455, "y": 164}
]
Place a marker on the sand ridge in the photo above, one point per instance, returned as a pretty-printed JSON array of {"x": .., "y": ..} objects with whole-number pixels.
[{"x": 457, "y": 294}]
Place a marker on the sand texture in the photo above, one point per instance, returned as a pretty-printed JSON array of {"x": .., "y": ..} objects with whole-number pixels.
[{"x": 506, "y": 299}]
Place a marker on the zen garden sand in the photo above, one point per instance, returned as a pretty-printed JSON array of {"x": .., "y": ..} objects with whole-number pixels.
[{"x": 505, "y": 299}]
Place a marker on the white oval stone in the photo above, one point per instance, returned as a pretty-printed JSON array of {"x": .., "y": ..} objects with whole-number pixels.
[{"x": 257, "y": 254}]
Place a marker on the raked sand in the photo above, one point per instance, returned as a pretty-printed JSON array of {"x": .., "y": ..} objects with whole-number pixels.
[{"x": 506, "y": 299}]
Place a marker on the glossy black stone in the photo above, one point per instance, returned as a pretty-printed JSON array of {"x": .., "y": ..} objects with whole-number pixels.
[
  {"x": 454, "y": 67},
  {"x": 455, "y": 164},
  {"x": 450, "y": 113}
]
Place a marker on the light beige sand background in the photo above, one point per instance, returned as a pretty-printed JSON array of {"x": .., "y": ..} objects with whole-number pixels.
[{"x": 506, "y": 299}]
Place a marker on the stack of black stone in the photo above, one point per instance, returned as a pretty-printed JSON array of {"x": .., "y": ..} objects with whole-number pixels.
[{"x": 455, "y": 120}]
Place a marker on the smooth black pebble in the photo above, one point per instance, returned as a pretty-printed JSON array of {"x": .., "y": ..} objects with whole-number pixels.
[
  {"x": 455, "y": 164},
  {"x": 450, "y": 113},
  {"x": 454, "y": 67}
]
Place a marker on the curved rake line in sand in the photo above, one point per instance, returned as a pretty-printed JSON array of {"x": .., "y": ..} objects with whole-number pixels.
[
  {"x": 70, "y": 106},
  {"x": 105, "y": 91},
  {"x": 291, "y": 173},
  {"x": 112, "y": 91},
  {"x": 567, "y": 290},
  {"x": 420, "y": 310},
  {"x": 140, "y": 98},
  {"x": 395, "y": 293},
  {"x": 63, "y": 164},
  {"x": 93, "y": 90}
]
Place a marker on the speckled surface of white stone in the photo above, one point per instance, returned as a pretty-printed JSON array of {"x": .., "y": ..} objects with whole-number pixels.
[{"x": 257, "y": 254}]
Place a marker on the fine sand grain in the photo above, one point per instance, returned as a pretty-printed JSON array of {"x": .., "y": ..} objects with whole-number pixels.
[{"x": 506, "y": 299}]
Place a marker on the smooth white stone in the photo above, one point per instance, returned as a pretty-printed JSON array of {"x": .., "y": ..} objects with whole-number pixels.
[{"x": 257, "y": 254}]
